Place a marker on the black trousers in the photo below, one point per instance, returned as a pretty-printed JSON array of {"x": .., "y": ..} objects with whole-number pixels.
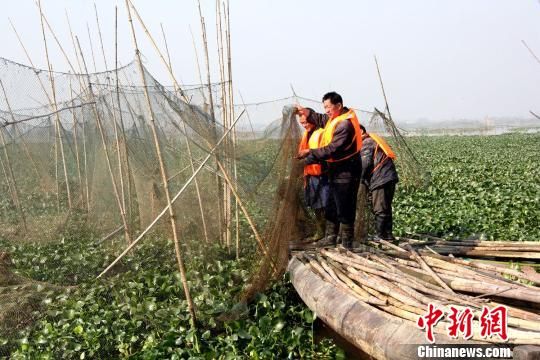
[
  {"x": 341, "y": 207},
  {"x": 381, "y": 202}
]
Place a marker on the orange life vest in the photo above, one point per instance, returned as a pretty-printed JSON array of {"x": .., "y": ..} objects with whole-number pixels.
[
  {"x": 381, "y": 144},
  {"x": 328, "y": 134},
  {"x": 312, "y": 143}
]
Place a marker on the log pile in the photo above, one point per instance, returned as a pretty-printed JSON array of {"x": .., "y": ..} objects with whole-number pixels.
[{"x": 403, "y": 282}]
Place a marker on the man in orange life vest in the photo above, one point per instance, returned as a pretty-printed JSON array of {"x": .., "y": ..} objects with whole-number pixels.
[
  {"x": 339, "y": 148},
  {"x": 380, "y": 177},
  {"x": 316, "y": 190}
]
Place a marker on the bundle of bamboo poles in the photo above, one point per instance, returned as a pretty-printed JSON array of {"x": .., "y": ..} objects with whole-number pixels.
[
  {"x": 529, "y": 250},
  {"x": 403, "y": 283}
]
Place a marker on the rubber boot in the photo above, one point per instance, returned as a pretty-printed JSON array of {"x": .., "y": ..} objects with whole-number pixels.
[
  {"x": 320, "y": 225},
  {"x": 380, "y": 227},
  {"x": 388, "y": 234},
  {"x": 330, "y": 237},
  {"x": 347, "y": 235}
]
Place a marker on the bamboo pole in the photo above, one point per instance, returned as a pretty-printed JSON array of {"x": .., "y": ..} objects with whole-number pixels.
[
  {"x": 212, "y": 114},
  {"x": 50, "y": 101},
  {"x": 225, "y": 120},
  {"x": 74, "y": 47},
  {"x": 9, "y": 168},
  {"x": 17, "y": 131},
  {"x": 232, "y": 115},
  {"x": 30, "y": 61},
  {"x": 197, "y": 61},
  {"x": 127, "y": 227},
  {"x": 163, "y": 171},
  {"x": 188, "y": 146},
  {"x": 122, "y": 127},
  {"x": 244, "y": 210},
  {"x": 85, "y": 156},
  {"x": 144, "y": 232},
  {"x": 6, "y": 176},
  {"x": 77, "y": 157},
  {"x": 178, "y": 89},
  {"x": 426, "y": 267},
  {"x": 105, "y": 147},
  {"x": 488, "y": 267},
  {"x": 54, "y": 107},
  {"x": 91, "y": 46}
]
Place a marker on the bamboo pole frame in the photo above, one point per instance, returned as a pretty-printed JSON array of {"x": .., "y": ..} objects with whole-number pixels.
[
  {"x": 178, "y": 89},
  {"x": 104, "y": 144},
  {"x": 9, "y": 166},
  {"x": 180, "y": 192},
  {"x": 54, "y": 107},
  {"x": 163, "y": 171},
  {"x": 188, "y": 146}
]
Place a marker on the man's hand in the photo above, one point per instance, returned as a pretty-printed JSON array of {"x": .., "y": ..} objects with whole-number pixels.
[{"x": 302, "y": 154}]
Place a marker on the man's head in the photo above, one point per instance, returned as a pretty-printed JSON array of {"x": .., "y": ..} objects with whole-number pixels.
[
  {"x": 333, "y": 104},
  {"x": 363, "y": 131},
  {"x": 306, "y": 124}
]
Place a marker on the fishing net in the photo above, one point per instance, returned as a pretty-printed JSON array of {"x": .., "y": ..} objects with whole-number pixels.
[{"x": 80, "y": 168}]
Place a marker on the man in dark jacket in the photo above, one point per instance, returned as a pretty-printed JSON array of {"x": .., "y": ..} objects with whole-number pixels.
[
  {"x": 339, "y": 148},
  {"x": 380, "y": 176}
]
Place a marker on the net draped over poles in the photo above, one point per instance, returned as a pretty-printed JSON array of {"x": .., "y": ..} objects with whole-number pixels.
[
  {"x": 51, "y": 151},
  {"x": 84, "y": 158}
]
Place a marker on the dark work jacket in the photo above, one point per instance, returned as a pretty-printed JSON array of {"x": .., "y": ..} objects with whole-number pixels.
[
  {"x": 340, "y": 147},
  {"x": 384, "y": 173}
]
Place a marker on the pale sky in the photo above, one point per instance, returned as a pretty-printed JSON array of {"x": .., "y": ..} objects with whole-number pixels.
[{"x": 440, "y": 59}]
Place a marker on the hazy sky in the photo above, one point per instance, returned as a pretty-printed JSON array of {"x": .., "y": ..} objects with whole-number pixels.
[{"x": 443, "y": 59}]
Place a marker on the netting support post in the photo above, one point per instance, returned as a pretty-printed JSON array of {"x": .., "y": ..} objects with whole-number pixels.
[{"x": 163, "y": 171}]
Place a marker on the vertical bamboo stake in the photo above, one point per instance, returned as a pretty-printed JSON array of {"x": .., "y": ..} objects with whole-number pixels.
[
  {"x": 116, "y": 136},
  {"x": 85, "y": 157},
  {"x": 188, "y": 146},
  {"x": 49, "y": 99},
  {"x": 30, "y": 61},
  {"x": 91, "y": 46},
  {"x": 122, "y": 128},
  {"x": 17, "y": 131},
  {"x": 105, "y": 147},
  {"x": 15, "y": 188},
  {"x": 225, "y": 120},
  {"x": 55, "y": 38},
  {"x": 8, "y": 181},
  {"x": 212, "y": 114},
  {"x": 77, "y": 157},
  {"x": 74, "y": 46},
  {"x": 232, "y": 114},
  {"x": 180, "y": 192},
  {"x": 54, "y": 107},
  {"x": 178, "y": 89},
  {"x": 198, "y": 65},
  {"x": 172, "y": 219}
]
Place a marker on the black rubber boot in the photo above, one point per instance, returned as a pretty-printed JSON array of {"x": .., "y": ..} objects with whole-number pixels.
[
  {"x": 347, "y": 235},
  {"x": 330, "y": 237},
  {"x": 380, "y": 227}
]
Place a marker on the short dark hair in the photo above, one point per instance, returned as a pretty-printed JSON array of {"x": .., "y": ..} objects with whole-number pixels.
[
  {"x": 363, "y": 128},
  {"x": 334, "y": 98}
]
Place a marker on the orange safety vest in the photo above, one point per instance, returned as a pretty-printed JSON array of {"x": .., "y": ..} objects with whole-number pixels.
[
  {"x": 312, "y": 143},
  {"x": 381, "y": 144},
  {"x": 328, "y": 134}
]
